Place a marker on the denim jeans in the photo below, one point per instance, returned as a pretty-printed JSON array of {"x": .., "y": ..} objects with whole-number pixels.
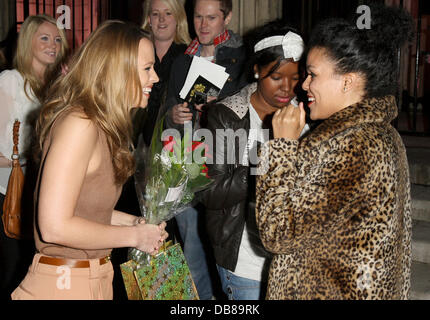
[
  {"x": 194, "y": 252},
  {"x": 238, "y": 288}
]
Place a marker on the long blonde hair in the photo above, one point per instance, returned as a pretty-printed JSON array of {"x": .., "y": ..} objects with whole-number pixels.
[
  {"x": 103, "y": 82},
  {"x": 182, "y": 35},
  {"x": 24, "y": 55}
]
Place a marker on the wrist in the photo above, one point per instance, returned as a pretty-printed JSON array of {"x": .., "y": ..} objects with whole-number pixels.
[{"x": 135, "y": 237}]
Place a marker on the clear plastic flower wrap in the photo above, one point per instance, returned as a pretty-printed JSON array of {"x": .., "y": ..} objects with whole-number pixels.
[{"x": 168, "y": 174}]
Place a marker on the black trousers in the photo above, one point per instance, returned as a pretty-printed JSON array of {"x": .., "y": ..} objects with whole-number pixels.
[{"x": 15, "y": 258}]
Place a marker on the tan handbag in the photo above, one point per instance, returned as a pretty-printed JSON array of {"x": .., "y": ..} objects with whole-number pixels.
[{"x": 12, "y": 202}]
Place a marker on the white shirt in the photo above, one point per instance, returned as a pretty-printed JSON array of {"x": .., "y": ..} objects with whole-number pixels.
[
  {"x": 14, "y": 104},
  {"x": 249, "y": 265}
]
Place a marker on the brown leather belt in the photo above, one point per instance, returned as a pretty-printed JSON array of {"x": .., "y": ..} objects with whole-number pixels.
[{"x": 72, "y": 263}]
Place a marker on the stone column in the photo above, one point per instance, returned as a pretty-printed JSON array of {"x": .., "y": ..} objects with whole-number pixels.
[{"x": 249, "y": 14}]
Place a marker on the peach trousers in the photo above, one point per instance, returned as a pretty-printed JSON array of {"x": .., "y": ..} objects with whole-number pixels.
[{"x": 49, "y": 282}]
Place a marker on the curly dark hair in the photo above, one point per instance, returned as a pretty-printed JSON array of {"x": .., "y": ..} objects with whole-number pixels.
[{"x": 370, "y": 52}]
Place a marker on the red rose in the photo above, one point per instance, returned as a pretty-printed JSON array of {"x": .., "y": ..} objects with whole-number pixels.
[
  {"x": 197, "y": 144},
  {"x": 168, "y": 145},
  {"x": 205, "y": 170}
]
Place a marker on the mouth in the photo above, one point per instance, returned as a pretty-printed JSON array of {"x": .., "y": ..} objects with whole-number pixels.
[
  {"x": 283, "y": 99},
  {"x": 311, "y": 100},
  {"x": 147, "y": 91},
  {"x": 51, "y": 54}
]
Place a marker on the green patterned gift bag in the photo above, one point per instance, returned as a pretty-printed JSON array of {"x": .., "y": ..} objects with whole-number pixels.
[{"x": 165, "y": 277}]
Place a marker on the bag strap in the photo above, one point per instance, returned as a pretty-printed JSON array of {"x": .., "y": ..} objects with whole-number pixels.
[{"x": 15, "y": 154}]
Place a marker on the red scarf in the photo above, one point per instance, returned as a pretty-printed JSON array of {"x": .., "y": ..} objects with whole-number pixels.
[{"x": 194, "y": 46}]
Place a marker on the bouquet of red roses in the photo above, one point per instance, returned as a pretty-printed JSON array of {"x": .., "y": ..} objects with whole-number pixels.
[{"x": 167, "y": 176}]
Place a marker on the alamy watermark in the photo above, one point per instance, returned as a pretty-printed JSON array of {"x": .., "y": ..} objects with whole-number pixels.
[
  {"x": 228, "y": 146},
  {"x": 63, "y": 21},
  {"x": 64, "y": 280},
  {"x": 364, "y": 21}
]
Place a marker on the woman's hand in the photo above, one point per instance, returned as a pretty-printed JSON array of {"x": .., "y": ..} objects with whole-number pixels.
[
  {"x": 289, "y": 122},
  {"x": 150, "y": 237}
]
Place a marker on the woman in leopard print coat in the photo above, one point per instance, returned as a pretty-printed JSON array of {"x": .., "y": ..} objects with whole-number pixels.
[{"x": 334, "y": 208}]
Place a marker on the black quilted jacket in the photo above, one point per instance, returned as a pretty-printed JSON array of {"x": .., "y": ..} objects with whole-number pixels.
[{"x": 230, "y": 202}]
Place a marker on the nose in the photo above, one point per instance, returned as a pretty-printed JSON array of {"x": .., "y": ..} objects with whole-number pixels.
[
  {"x": 286, "y": 85},
  {"x": 154, "y": 77},
  {"x": 305, "y": 84},
  {"x": 162, "y": 17},
  {"x": 53, "y": 44},
  {"x": 204, "y": 22}
]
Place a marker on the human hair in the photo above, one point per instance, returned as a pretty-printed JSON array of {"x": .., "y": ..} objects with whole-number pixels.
[
  {"x": 226, "y": 6},
  {"x": 102, "y": 82},
  {"x": 372, "y": 53},
  {"x": 182, "y": 34},
  {"x": 24, "y": 55},
  {"x": 269, "y": 55}
]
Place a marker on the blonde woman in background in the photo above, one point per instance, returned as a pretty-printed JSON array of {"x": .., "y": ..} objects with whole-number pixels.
[
  {"x": 85, "y": 137},
  {"x": 40, "y": 50}
]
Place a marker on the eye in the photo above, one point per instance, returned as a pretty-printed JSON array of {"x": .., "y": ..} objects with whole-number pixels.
[
  {"x": 149, "y": 67},
  {"x": 58, "y": 40},
  {"x": 44, "y": 38},
  {"x": 275, "y": 78}
]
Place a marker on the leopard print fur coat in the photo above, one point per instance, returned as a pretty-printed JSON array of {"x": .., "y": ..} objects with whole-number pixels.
[{"x": 335, "y": 209}]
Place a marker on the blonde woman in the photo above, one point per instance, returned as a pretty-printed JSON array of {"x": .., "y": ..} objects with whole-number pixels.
[
  {"x": 40, "y": 50},
  {"x": 85, "y": 136},
  {"x": 166, "y": 20}
]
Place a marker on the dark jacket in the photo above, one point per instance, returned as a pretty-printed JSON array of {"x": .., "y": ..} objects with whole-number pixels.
[
  {"x": 228, "y": 200},
  {"x": 230, "y": 54}
]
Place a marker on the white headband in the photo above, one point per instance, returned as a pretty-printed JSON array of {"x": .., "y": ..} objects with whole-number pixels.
[{"x": 292, "y": 44}]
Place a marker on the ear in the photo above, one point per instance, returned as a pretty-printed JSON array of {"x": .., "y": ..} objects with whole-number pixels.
[
  {"x": 350, "y": 81},
  {"x": 228, "y": 19}
]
